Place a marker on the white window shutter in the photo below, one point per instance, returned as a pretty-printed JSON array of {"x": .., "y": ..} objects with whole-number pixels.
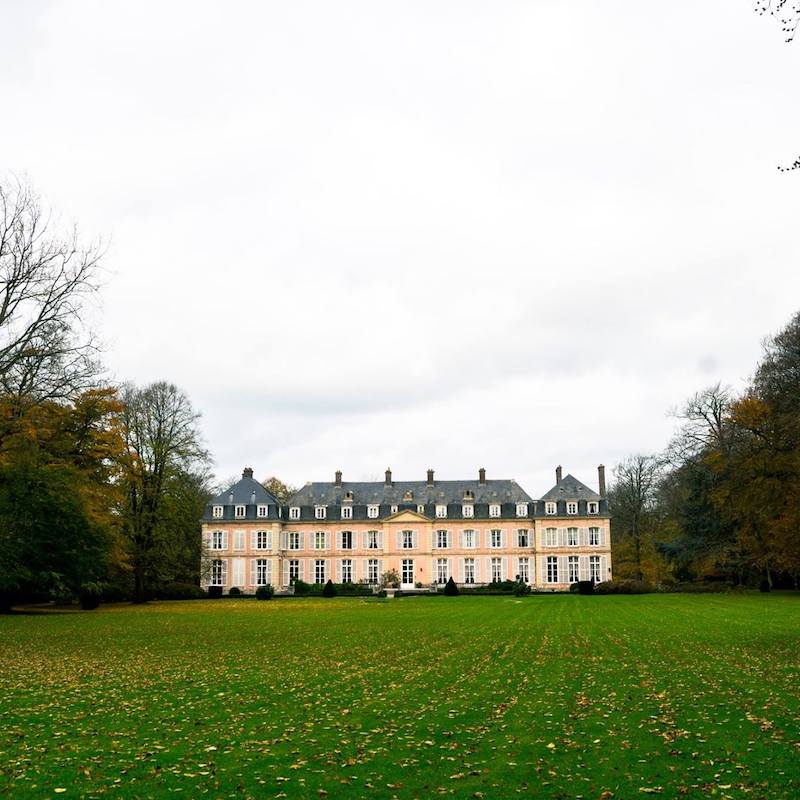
[
  {"x": 284, "y": 540},
  {"x": 562, "y": 537},
  {"x": 253, "y": 541},
  {"x": 563, "y": 571},
  {"x": 380, "y": 540},
  {"x": 543, "y": 568},
  {"x": 224, "y": 571},
  {"x": 338, "y": 540},
  {"x": 602, "y": 538},
  {"x": 450, "y": 568},
  {"x": 365, "y": 568},
  {"x": 224, "y": 540},
  {"x": 515, "y": 565},
  {"x": 604, "y": 576},
  {"x": 461, "y": 574},
  {"x": 583, "y": 534},
  {"x": 504, "y": 568},
  {"x": 399, "y": 540},
  {"x": 380, "y": 569},
  {"x": 583, "y": 568},
  {"x": 209, "y": 540},
  {"x": 338, "y": 570},
  {"x": 414, "y": 539},
  {"x": 253, "y": 568},
  {"x": 285, "y": 571},
  {"x": 269, "y": 570}
]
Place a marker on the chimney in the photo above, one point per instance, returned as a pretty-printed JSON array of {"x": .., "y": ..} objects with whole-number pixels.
[
  {"x": 247, "y": 472},
  {"x": 558, "y": 474},
  {"x": 388, "y": 477},
  {"x": 430, "y": 477},
  {"x": 338, "y": 479},
  {"x": 601, "y": 480},
  {"x": 482, "y": 476}
]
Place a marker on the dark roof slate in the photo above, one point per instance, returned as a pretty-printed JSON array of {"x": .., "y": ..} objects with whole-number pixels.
[
  {"x": 242, "y": 492},
  {"x": 570, "y": 488},
  {"x": 442, "y": 492}
]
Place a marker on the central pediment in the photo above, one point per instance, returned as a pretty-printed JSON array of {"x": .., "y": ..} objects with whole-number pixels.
[{"x": 406, "y": 516}]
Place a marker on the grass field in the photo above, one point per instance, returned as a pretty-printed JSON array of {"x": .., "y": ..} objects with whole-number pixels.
[{"x": 483, "y": 697}]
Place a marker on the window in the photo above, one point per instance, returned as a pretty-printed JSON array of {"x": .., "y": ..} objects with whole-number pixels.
[
  {"x": 572, "y": 507},
  {"x": 442, "y": 539},
  {"x": 572, "y": 569},
  {"x": 522, "y": 537},
  {"x": 420, "y": 509},
  {"x": 320, "y": 540},
  {"x": 408, "y": 495},
  {"x": 372, "y": 571},
  {"x": 469, "y": 539},
  {"x": 469, "y": 570},
  {"x": 262, "y": 511},
  {"x": 217, "y": 512},
  {"x": 572, "y": 537},
  {"x": 441, "y": 570},
  {"x": 497, "y": 570},
  {"x": 320, "y": 512},
  {"x": 494, "y": 510},
  {"x": 347, "y": 512},
  {"x": 218, "y": 540},
  {"x": 407, "y": 571},
  {"x": 346, "y": 540},
  {"x": 394, "y": 509},
  {"x": 441, "y": 511},
  {"x": 372, "y": 511},
  {"x": 522, "y": 509},
  {"x": 550, "y": 537},
  {"x": 347, "y": 570},
  {"x": 594, "y": 536},
  {"x": 319, "y": 571},
  {"x": 294, "y": 512},
  {"x": 593, "y": 507},
  {"x": 552, "y": 569},
  {"x": 293, "y": 540},
  {"x": 262, "y": 540},
  {"x": 241, "y": 512},
  {"x": 550, "y": 508},
  {"x": 524, "y": 571},
  {"x": 467, "y": 510},
  {"x": 594, "y": 568},
  {"x": 373, "y": 541},
  {"x": 407, "y": 540},
  {"x": 238, "y": 540},
  {"x": 261, "y": 572},
  {"x": 218, "y": 570},
  {"x": 294, "y": 570},
  {"x": 496, "y": 538}
]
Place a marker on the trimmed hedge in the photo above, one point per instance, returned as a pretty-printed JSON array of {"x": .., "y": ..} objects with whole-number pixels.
[
  {"x": 215, "y": 592},
  {"x": 624, "y": 587},
  {"x": 450, "y": 588},
  {"x": 265, "y": 592}
]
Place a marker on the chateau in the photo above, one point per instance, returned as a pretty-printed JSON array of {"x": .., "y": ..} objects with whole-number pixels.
[{"x": 477, "y": 531}]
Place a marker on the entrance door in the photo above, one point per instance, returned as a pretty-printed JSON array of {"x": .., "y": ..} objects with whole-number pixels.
[{"x": 407, "y": 573}]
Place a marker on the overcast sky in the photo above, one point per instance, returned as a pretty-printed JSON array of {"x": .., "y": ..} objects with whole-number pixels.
[{"x": 420, "y": 234}]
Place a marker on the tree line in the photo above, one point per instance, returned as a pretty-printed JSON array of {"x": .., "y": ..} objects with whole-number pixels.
[
  {"x": 101, "y": 485},
  {"x": 722, "y": 501}
]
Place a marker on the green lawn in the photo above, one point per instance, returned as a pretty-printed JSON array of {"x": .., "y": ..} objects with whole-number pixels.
[{"x": 493, "y": 697}]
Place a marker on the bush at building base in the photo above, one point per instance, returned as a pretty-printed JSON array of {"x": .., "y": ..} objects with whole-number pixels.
[
  {"x": 329, "y": 590},
  {"x": 450, "y": 588},
  {"x": 265, "y": 592}
]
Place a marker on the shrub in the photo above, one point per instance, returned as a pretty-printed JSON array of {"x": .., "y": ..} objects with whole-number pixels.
[
  {"x": 90, "y": 595},
  {"x": 265, "y": 592},
  {"x": 390, "y": 579},
  {"x": 329, "y": 590},
  {"x": 521, "y": 589},
  {"x": 301, "y": 588},
  {"x": 450, "y": 588},
  {"x": 179, "y": 591},
  {"x": 235, "y": 591},
  {"x": 585, "y": 587},
  {"x": 215, "y": 592},
  {"x": 624, "y": 587},
  {"x": 573, "y": 587}
]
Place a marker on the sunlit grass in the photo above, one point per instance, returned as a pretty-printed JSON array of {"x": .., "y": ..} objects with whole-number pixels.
[{"x": 557, "y": 696}]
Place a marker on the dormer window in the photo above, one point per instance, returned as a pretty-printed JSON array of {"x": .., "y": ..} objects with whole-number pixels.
[
  {"x": 262, "y": 512},
  {"x": 494, "y": 510},
  {"x": 394, "y": 509},
  {"x": 593, "y": 507},
  {"x": 409, "y": 495},
  {"x": 420, "y": 509},
  {"x": 441, "y": 511},
  {"x": 469, "y": 494},
  {"x": 320, "y": 512},
  {"x": 241, "y": 512},
  {"x": 572, "y": 507},
  {"x": 373, "y": 511},
  {"x": 348, "y": 495},
  {"x": 550, "y": 508},
  {"x": 522, "y": 509},
  {"x": 347, "y": 512},
  {"x": 217, "y": 512},
  {"x": 467, "y": 510},
  {"x": 294, "y": 512}
]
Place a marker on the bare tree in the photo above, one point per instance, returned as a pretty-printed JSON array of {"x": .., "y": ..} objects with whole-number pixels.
[
  {"x": 46, "y": 350},
  {"x": 787, "y": 12},
  {"x": 163, "y": 444},
  {"x": 633, "y": 498},
  {"x": 705, "y": 425}
]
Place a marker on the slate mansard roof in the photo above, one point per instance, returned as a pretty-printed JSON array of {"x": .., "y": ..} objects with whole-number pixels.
[
  {"x": 570, "y": 488},
  {"x": 246, "y": 492}
]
